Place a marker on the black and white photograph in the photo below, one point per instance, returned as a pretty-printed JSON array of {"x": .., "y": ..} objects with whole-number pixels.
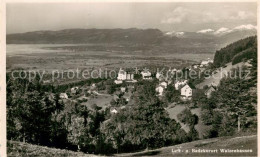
[{"x": 130, "y": 78}]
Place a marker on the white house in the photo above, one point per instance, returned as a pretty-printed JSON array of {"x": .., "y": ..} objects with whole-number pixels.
[
  {"x": 121, "y": 75},
  {"x": 178, "y": 84},
  {"x": 186, "y": 91},
  {"x": 158, "y": 75},
  {"x": 114, "y": 111},
  {"x": 46, "y": 81},
  {"x": 74, "y": 90},
  {"x": 146, "y": 75},
  {"x": 160, "y": 90},
  {"x": 206, "y": 62},
  {"x": 63, "y": 96},
  {"x": 118, "y": 81},
  {"x": 163, "y": 84},
  {"x": 195, "y": 66},
  {"x": 123, "y": 89}
]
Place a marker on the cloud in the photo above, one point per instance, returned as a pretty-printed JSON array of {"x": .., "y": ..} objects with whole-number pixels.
[
  {"x": 227, "y": 16},
  {"x": 245, "y": 27},
  {"x": 223, "y": 30},
  {"x": 245, "y": 15},
  {"x": 242, "y": 15},
  {"x": 176, "y": 34},
  {"x": 194, "y": 16},
  {"x": 206, "y": 17},
  {"x": 178, "y": 15},
  {"x": 205, "y": 31}
]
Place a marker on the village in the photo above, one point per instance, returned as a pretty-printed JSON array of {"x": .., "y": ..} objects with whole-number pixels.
[{"x": 124, "y": 86}]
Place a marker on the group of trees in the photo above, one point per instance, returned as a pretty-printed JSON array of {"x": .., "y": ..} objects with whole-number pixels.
[
  {"x": 232, "y": 107},
  {"x": 145, "y": 125},
  {"x": 171, "y": 94},
  {"x": 31, "y": 113},
  {"x": 37, "y": 116},
  {"x": 237, "y": 51}
]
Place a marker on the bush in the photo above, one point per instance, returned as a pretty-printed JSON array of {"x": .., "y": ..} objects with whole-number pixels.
[{"x": 207, "y": 117}]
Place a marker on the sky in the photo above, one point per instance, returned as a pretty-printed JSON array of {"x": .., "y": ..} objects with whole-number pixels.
[{"x": 188, "y": 17}]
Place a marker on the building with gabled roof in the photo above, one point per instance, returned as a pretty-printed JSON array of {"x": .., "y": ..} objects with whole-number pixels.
[
  {"x": 64, "y": 96},
  {"x": 186, "y": 91},
  {"x": 121, "y": 75},
  {"x": 209, "y": 91}
]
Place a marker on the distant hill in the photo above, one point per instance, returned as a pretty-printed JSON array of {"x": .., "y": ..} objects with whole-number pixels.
[
  {"x": 146, "y": 41},
  {"x": 76, "y": 36},
  {"x": 209, "y": 40},
  {"x": 236, "y": 52}
]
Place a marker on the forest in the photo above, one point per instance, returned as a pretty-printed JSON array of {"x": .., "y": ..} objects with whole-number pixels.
[{"x": 236, "y": 52}]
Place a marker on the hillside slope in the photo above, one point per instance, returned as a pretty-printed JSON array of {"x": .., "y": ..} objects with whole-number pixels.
[
  {"x": 220, "y": 73},
  {"x": 232, "y": 143},
  {"x": 15, "y": 148}
]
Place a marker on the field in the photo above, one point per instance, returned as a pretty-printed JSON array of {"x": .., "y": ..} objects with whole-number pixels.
[
  {"x": 218, "y": 75},
  {"x": 100, "y": 100},
  {"x": 45, "y": 58}
]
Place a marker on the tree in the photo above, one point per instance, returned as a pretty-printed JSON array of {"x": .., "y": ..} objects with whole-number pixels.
[
  {"x": 233, "y": 102},
  {"x": 199, "y": 96},
  {"x": 187, "y": 117},
  {"x": 110, "y": 89},
  {"x": 145, "y": 125},
  {"x": 193, "y": 134},
  {"x": 172, "y": 95}
]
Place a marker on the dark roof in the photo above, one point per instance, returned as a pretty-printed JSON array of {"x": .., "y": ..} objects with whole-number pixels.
[{"x": 211, "y": 87}]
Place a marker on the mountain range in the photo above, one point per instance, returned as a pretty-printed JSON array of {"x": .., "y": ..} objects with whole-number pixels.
[
  {"x": 214, "y": 39},
  {"x": 222, "y": 36}
]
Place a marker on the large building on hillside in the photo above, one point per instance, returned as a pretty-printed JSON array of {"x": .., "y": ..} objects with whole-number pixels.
[
  {"x": 121, "y": 75},
  {"x": 186, "y": 92},
  {"x": 124, "y": 76},
  {"x": 160, "y": 90}
]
